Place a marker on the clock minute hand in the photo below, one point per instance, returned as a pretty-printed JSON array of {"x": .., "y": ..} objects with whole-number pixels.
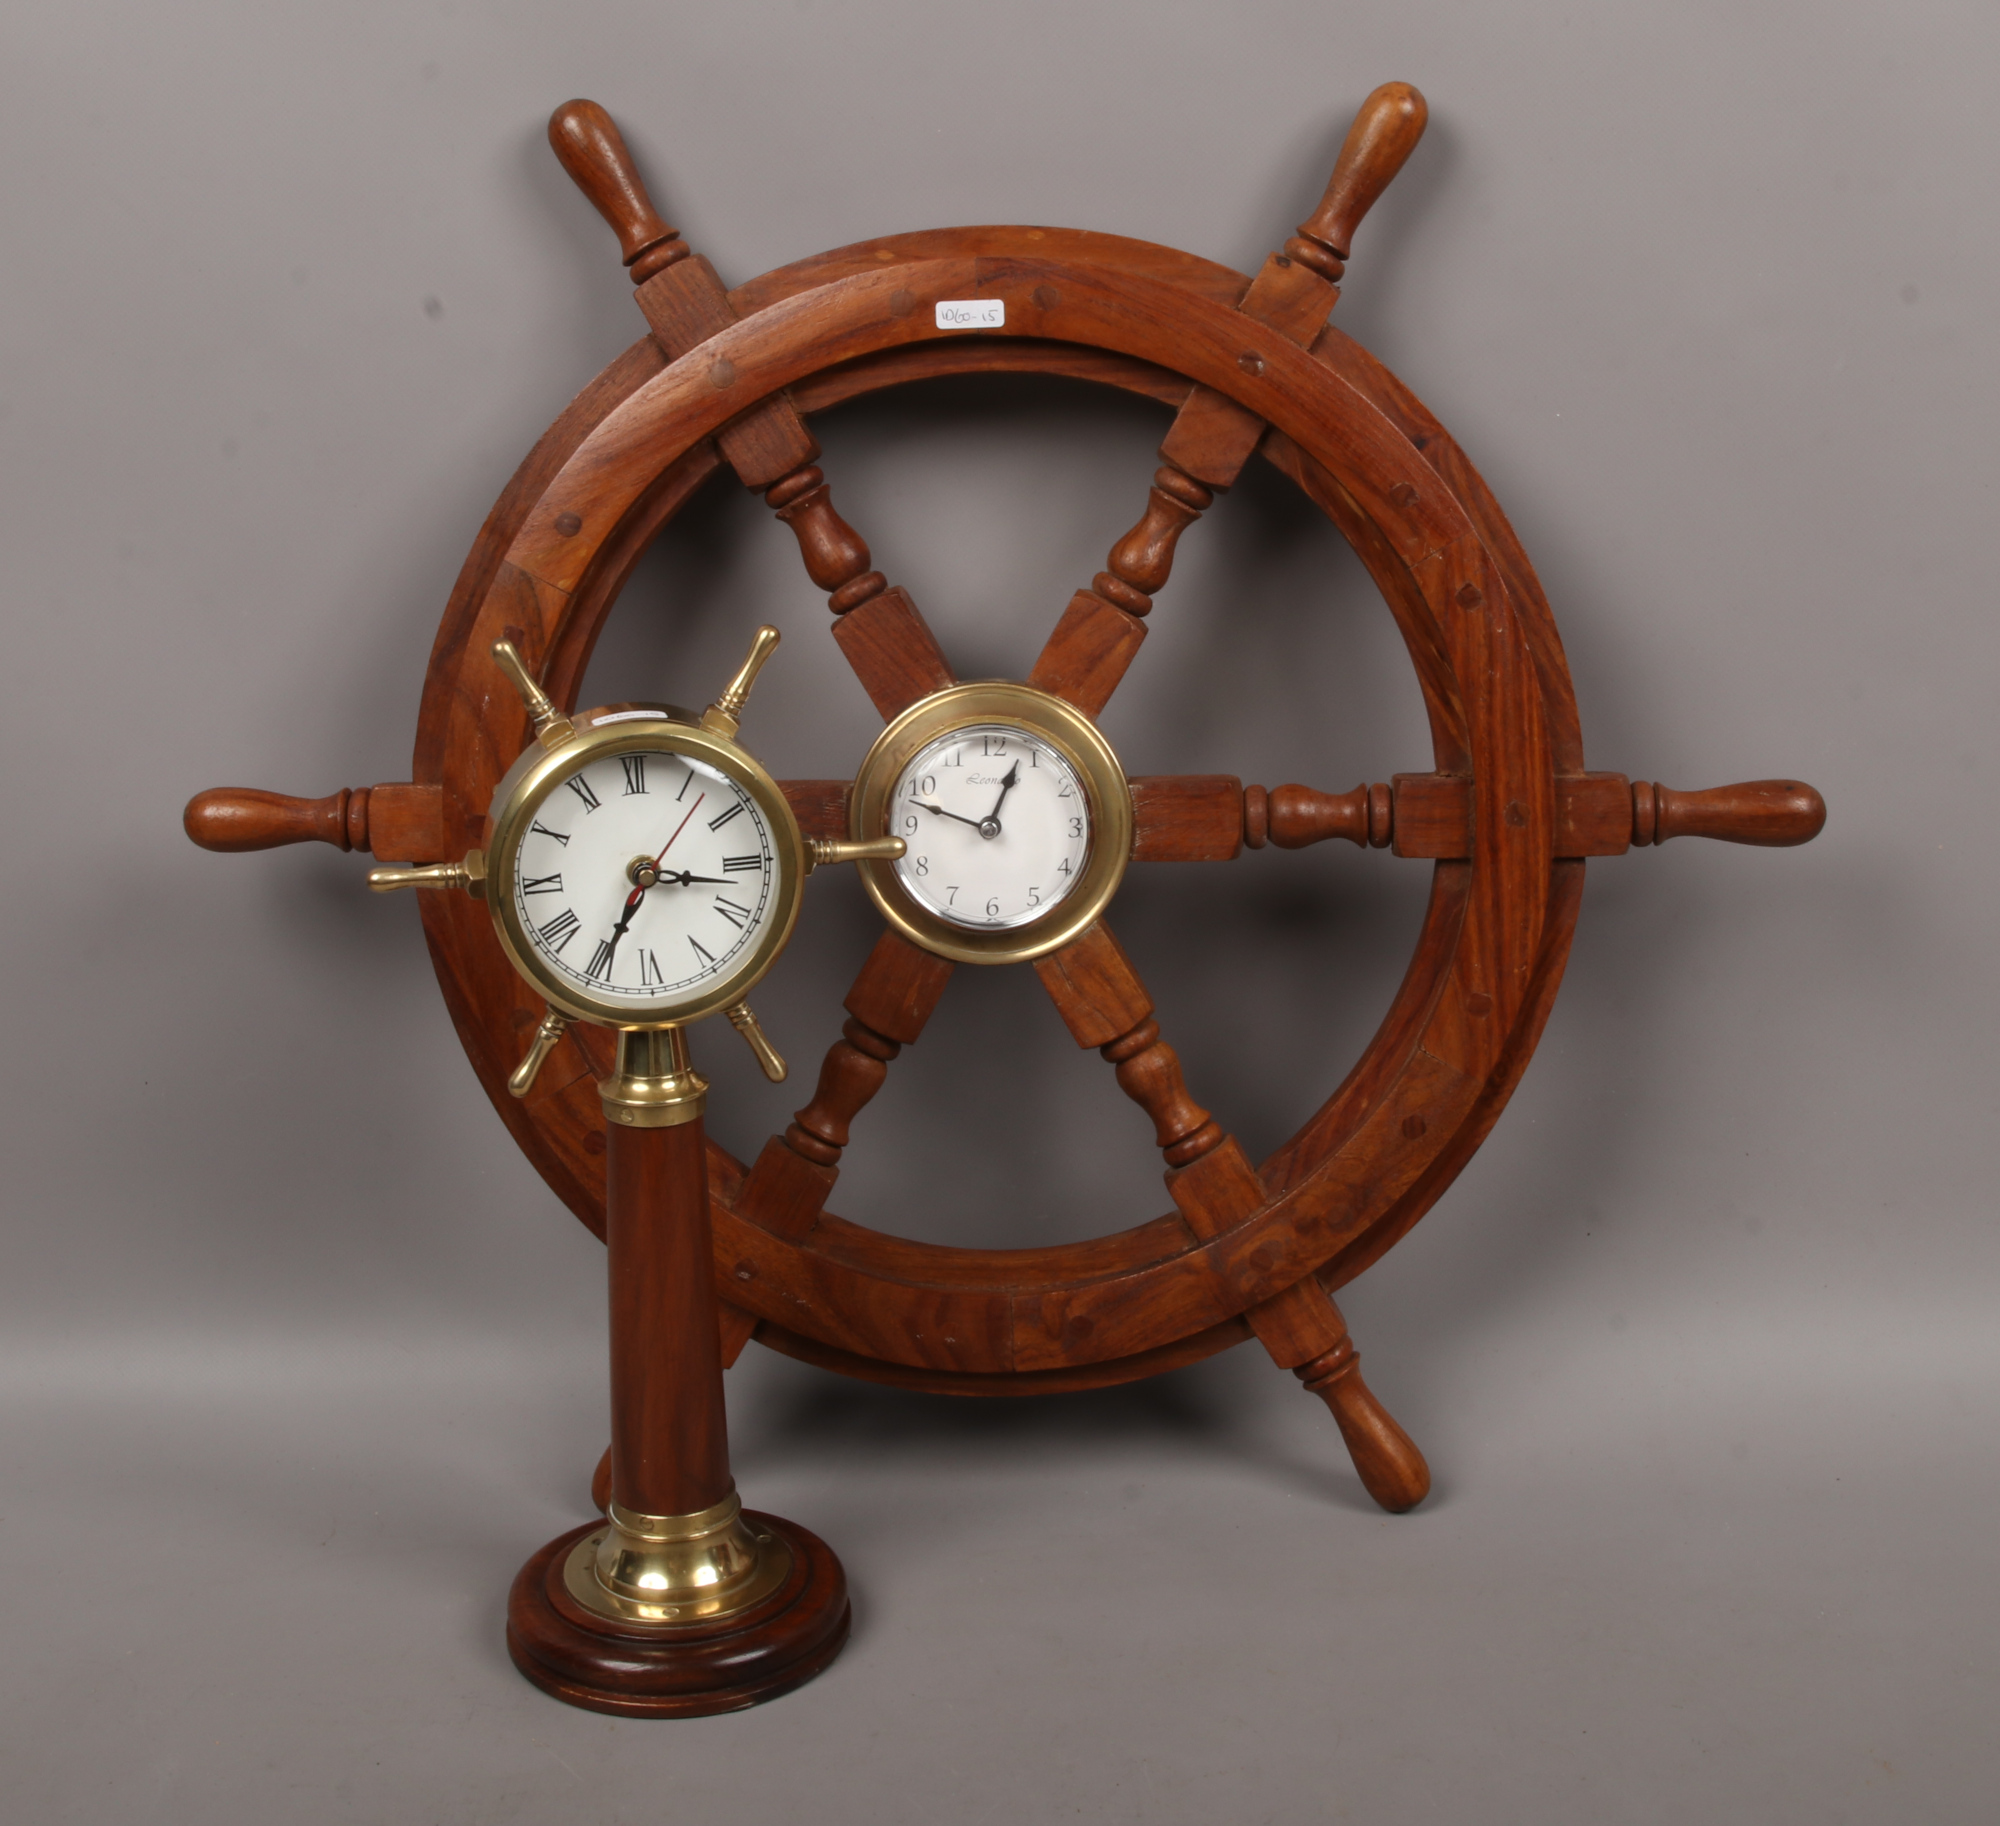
[{"x": 1006, "y": 786}]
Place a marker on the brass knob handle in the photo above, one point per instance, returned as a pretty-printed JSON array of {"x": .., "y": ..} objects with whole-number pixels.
[
  {"x": 1384, "y": 134},
  {"x": 551, "y": 726},
  {"x": 725, "y": 714},
  {"x": 746, "y": 1024},
  {"x": 822, "y": 850},
  {"x": 552, "y": 1029},
  {"x": 469, "y": 875},
  {"x": 593, "y": 152}
]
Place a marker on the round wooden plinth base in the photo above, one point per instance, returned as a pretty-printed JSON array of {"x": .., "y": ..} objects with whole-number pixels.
[{"x": 691, "y": 1669}]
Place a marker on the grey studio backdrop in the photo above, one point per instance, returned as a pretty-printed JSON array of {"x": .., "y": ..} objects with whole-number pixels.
[{"x": 301, "y": 1360}]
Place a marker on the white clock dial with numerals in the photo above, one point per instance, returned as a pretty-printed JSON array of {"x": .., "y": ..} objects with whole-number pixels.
[
  {"x": 642, "y": 878},
  {"x": 997, "y": 824}
]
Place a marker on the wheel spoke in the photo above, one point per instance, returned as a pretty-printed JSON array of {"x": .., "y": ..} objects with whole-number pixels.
[
  {"x": 1214, "y": 817},
  {"x": 888, "y": 1006},
  {"x": 819, "y": 805},
  {"x": 788, "y": 1184},
  {"x": 880, "y": 629},
  {"x": 1212, "y": 437},
  {"x": 1100, "y": 632},
  {"x": 1187, "y": 818},
  {"x": 1099, "y": 995},
  {"x": 1098, "y": 992},
  {"x": 1210, "y": 440}
]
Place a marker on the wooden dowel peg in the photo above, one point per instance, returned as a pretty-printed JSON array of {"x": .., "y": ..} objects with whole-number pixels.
[
  {"x": 592, "y": 150},
  {"x": 1773, "y": 814},
  {"x": 1384, "y": 134}
]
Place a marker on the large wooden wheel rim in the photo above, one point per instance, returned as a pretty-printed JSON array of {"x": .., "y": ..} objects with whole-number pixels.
[
  {"x": 1507, "y": 817},
  {"x": 630, "y": 452}
]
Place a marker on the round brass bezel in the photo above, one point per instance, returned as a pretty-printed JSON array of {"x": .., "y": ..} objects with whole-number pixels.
[
  {"x": 615, "y": 729},
  {"x": 1049, "y": 719}
]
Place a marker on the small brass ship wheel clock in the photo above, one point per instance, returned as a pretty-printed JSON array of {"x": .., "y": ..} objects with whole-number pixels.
[
  {"x": 640, "y": 871},
  {"x": 643, "y": 871}
]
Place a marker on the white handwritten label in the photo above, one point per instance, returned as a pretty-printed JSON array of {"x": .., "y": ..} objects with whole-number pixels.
[{"x": 971, "y": 313}]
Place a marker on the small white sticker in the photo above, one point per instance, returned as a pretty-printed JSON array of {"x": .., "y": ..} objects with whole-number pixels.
[{"x": 971, "y": 313}]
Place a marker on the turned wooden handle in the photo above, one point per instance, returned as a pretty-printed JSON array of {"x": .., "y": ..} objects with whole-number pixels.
[
  {"x": 403, "y": 821},
  {"x": 593, "y": 152},
  {"x": 1773, "y": 814},
  {"x": 1387, "y": 1459},
  {"x": 1384, "y": 134},
  {"x": 243, "y": 818}
]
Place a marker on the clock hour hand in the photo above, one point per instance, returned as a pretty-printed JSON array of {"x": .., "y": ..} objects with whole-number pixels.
[
  {"x": 926, "y": 805},
  {"x": 618, "y": 931},
  {"x": 684, "y": 879}
]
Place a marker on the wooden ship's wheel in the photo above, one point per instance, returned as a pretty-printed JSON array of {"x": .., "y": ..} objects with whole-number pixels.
[{"x": 1250, "y": 366}]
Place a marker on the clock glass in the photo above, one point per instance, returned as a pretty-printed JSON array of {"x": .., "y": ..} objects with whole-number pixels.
[
  {"x": 642, "y": 878},
  {"x": 997, "y": 824}
]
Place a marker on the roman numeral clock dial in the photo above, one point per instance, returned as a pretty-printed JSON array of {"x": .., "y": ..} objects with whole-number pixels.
[
  {"x": 642, "y": 869},
  {"x": 644, "y": 876}
]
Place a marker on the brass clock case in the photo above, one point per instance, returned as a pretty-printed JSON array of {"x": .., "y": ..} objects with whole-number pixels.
[
  {"x": 1071, "y": 734},
  {"x": 618, "y": 729}
]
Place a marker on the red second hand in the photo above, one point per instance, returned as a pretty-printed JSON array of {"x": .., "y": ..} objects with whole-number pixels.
[
  {"x": 669, "y": 844},
  {"x": 633, "y": 899}
]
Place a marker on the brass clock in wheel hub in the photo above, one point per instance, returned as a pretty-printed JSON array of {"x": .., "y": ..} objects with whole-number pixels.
[{"x": 1015, "y": 791}]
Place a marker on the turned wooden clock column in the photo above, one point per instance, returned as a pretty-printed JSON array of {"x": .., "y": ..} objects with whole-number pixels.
[{"x": 681, "y": 1602}]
